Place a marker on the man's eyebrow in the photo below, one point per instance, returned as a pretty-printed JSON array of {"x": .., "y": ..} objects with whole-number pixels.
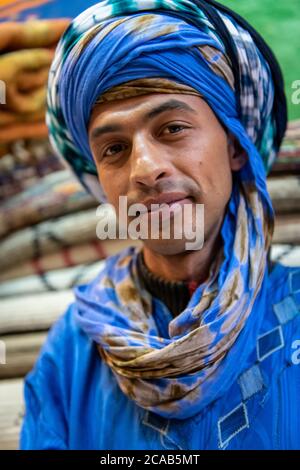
[
  {"x": 101, "y": 130},
  {"x": 167, "y": 106}
]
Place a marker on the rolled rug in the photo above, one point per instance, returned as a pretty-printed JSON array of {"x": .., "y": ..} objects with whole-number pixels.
[
  {"x": 54, "y": 195},
  {"x": 287, "y": 229},
  {"x": 32, "y": 312},
  {"x": 66, "y": 257},
  {"x": 35, "y": 154},
  {"x": 285, "y": 193},
  {"x": 49, "y": 236},
  {"x": 24, "y": 130},
  {"x": 14, "y": 65},
  {"x": 57, "y": 280},
  {"x": 293, "y": 130},
  {"x": 30, "y": 34},
  {"x": 25, "y": 164},
  {"x": 10, "y": 118},
  {"x": 11, "y": 412},
  {"x": 288, "y": 161}
]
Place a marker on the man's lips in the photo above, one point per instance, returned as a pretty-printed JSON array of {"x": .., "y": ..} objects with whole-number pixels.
[{"x": 170, "y": 199}]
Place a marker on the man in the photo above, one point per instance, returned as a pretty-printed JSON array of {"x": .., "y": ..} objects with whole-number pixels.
[{"x": 170, "y": 348}]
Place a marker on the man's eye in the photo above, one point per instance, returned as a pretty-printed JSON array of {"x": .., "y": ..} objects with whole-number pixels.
[
  {"x": 113, "y": 149},
  {"x": 175, "y": 128}
]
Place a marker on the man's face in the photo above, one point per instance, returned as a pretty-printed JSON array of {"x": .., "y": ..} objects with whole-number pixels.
[{"x": 164, "y": 147}]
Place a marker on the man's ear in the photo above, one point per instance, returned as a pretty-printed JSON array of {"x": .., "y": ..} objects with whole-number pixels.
[{"x": 237, "y": 155}]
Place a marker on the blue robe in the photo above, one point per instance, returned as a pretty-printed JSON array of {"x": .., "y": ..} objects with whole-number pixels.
[{"x": 74, "y": 402}]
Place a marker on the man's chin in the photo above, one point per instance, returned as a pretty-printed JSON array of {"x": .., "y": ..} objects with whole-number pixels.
[{"x": 167, "y": 247}]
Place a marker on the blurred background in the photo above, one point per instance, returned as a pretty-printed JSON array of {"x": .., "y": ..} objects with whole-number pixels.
[{"x": 48, "y": 240}]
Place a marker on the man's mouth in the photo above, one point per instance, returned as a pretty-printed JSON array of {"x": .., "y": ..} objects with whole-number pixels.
[
  {"x": 169, "y": 200},
  {"x": 171, "y": 208}
]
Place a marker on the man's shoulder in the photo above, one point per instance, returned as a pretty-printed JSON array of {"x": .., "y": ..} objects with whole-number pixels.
[{"x": 62, "y": 337}]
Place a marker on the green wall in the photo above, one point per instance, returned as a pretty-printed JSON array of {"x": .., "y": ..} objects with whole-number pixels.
[{"x": 278, "y": 21}]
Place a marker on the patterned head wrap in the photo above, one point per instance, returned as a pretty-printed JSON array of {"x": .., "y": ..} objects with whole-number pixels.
[{"x": 117, "y": 49}]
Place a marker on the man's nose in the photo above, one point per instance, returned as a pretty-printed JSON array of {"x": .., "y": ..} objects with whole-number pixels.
[{"x": 148, "y": 162}]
